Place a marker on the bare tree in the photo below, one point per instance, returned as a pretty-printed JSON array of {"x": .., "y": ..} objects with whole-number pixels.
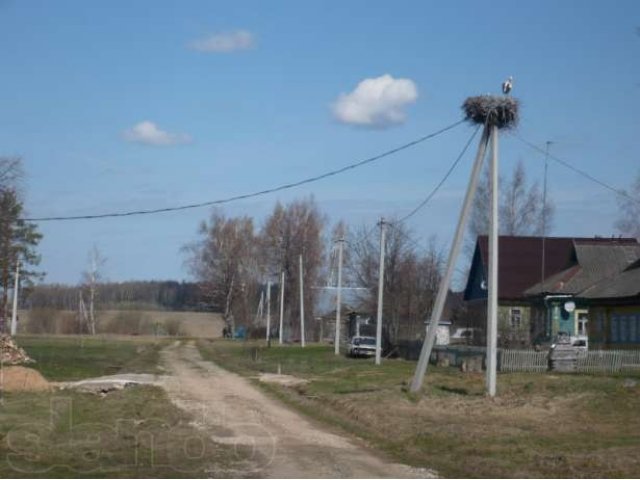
[
  {"x": 412, "y": 275},
  {"x": 223, "y": 260},
  {"x": 292, "y": 230},
  {"x": 628, "y": 222},
  {"x": 521, "y": 206},
  {"x": 11, "y": 173},
  {"x": 91, "y": 278}
]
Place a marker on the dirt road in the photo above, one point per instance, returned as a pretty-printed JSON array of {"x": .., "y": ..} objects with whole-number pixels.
[{"x": 281, "y": 442}]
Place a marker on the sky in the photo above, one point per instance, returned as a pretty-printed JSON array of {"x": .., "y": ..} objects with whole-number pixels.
[{"x": 117, "y": 106}]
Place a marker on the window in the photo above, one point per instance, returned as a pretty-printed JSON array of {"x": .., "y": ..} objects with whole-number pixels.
[
  {"x": 614, "y": 328},
  {"x": 515, "y": 317}
]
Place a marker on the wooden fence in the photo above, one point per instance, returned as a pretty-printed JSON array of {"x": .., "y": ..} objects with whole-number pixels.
[
  {"x": 523, "y": 361},
  {"x": 608, "y": 361},
  {"x": 593, "y": 361}
]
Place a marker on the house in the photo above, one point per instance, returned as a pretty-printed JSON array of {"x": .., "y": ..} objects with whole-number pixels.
[{"x": 536, "y": 303}]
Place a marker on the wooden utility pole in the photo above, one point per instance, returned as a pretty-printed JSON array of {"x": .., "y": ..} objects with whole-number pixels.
[
  {"x": 281, "y": 307},
  {"x": 300, "y": 271},
  {"x": 269, "y": 312},
  {"x": 443, "y": 289},
  {"x": 14, "y": 312},
  {"x": 492, "y": 307},
  {"x": 336, "y": 342},
  {"x": 383, "y": 231}
]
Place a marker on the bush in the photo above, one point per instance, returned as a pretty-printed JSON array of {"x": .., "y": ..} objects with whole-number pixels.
[
  {"x": 42, "y": 321},
  {"x": 173, "y": 327},
  {"x": 129, "y": 323}
]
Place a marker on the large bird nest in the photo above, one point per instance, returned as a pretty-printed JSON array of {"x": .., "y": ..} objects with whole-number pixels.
[{"x": 492, "y": 110}]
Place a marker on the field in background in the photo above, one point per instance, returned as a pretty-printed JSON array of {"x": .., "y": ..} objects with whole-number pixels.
[
  {"x": 540, "y": 425},
  {"x": 126, "y": 322}
]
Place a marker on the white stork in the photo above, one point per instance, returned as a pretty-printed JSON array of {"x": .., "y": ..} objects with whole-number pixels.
[{"x": 507, "y": 85}]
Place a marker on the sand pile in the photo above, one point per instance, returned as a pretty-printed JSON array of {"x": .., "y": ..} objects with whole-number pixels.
[
  {"x": 10, "y": 353},
  {"x": 22, "y": 379}
]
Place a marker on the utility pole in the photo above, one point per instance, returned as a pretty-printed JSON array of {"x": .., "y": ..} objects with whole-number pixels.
[
  {"x": 443, "y": 289},
  {"x": 544, "y": 211},
  {"x": 14, "y": 313},
  {"x": 269, "y": 312},
  {"x": 336, "y": 342},
  {"x": 492, "y": 308},
  {"x": 301, "y": 301},
  {"x": 281, "y": 307},
  {"x": 383, "y": 231}
]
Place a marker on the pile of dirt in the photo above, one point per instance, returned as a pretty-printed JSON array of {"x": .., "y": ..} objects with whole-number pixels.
[
  {"x": 22, "y": 379},
  {"x": 11, "y": 353}
]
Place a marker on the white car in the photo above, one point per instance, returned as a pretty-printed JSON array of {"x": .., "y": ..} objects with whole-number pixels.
[{"x": 361, "y": 347}]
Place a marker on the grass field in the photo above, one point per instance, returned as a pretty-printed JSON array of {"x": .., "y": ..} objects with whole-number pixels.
[
  {"x": 540, "y": 425},
  {"x": 136, "y": 432},
  {"x": 76, "y": 357},
  {"x": 191, "y": 324}
]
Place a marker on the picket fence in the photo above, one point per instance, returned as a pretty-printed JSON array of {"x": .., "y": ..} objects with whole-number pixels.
[
  {"x": 523, "y": 361},
  {"x": 593, "y": 361}
]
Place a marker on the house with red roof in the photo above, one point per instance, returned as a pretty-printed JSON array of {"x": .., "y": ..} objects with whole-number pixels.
[{"x": 558, "y": 284}]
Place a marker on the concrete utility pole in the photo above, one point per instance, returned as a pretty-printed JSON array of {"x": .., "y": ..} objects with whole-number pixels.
[
  {"x": 336, "y": 342},
  {"x": 281, "y": 307},
  {"x": 443, "y": 289},
  {"x": 492, "y": 307},
  {"x": 383, "y": 231},
  {"x": 269, "y": 311},
  {"x": 14, "y": 313},
  {"x": 301, "y": 301}
]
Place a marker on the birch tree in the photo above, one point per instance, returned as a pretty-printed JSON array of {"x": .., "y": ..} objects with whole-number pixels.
[
  {"x": 224, "y": 262},
  {"x": 628, "y": 222},
  {"x": 91, "y": 279}
]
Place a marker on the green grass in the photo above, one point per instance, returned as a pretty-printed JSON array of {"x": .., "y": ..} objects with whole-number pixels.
[
  {"x": 540, "y": 425},
  {"x": 135, "y": 432},
  {"x": 75, "y": 358}
]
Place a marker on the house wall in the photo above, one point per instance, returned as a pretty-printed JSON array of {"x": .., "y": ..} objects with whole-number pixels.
[
  {"x": 508, "y": 335},
  {"x": 614, "y": 326}
]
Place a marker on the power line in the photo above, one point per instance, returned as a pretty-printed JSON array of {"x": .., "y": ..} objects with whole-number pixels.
[
  {"x": 577, "y": 170},
  {"x": 428, "y": 198},
  {"x": 253, "y": 194}
]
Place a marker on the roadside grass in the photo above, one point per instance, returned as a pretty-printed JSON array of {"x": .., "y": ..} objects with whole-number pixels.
[
  {"x": 133, "y": 433},
  {"x": 539, "y": 425},
  {"x": 64, "y": 358}
]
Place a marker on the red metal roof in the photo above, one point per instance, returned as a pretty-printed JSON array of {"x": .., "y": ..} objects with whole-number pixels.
[{"x": 520, "y": 259}]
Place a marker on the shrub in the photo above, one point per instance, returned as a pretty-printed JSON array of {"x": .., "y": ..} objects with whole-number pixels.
[
  {"x": 173, "y": 327},
  {"x": 129, "y": 323},
  {"x": 42, "y": 321}
]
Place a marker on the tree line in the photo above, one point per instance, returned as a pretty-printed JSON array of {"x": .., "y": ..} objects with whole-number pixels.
[{"x": 153, "y": 294}]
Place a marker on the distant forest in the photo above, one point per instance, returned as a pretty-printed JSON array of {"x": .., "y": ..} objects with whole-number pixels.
[{"x": 163, "y": 295}]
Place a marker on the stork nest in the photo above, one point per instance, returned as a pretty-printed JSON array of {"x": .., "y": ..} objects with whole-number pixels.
[{"x": 492, "y": 110}]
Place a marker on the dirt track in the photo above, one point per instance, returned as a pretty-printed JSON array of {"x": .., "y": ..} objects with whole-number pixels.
[{"x": 284, "y": 444}]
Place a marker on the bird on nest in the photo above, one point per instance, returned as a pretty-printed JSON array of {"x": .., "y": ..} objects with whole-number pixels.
[{"x": 507, "y": 85}]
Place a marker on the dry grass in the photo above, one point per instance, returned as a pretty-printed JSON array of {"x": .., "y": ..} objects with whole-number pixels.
[
  {"x": 138, "y": 322},
  {"x": 540, "y": 425}
]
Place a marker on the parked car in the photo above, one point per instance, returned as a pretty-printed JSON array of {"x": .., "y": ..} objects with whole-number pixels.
[{"x": 361, "y": 347}]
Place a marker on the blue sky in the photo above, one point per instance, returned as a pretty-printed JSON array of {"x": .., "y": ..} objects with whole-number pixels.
[{"x": 226, "y": 118}]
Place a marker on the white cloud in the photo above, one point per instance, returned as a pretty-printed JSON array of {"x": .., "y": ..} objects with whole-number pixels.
[
  {"x": 148, "y": 133},
  {"x": 376, "y": 102},
  {"x": 225, "y": 42}
]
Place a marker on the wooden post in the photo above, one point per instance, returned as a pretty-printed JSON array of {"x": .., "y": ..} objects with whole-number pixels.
[{"x": 443, "y": 289}]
